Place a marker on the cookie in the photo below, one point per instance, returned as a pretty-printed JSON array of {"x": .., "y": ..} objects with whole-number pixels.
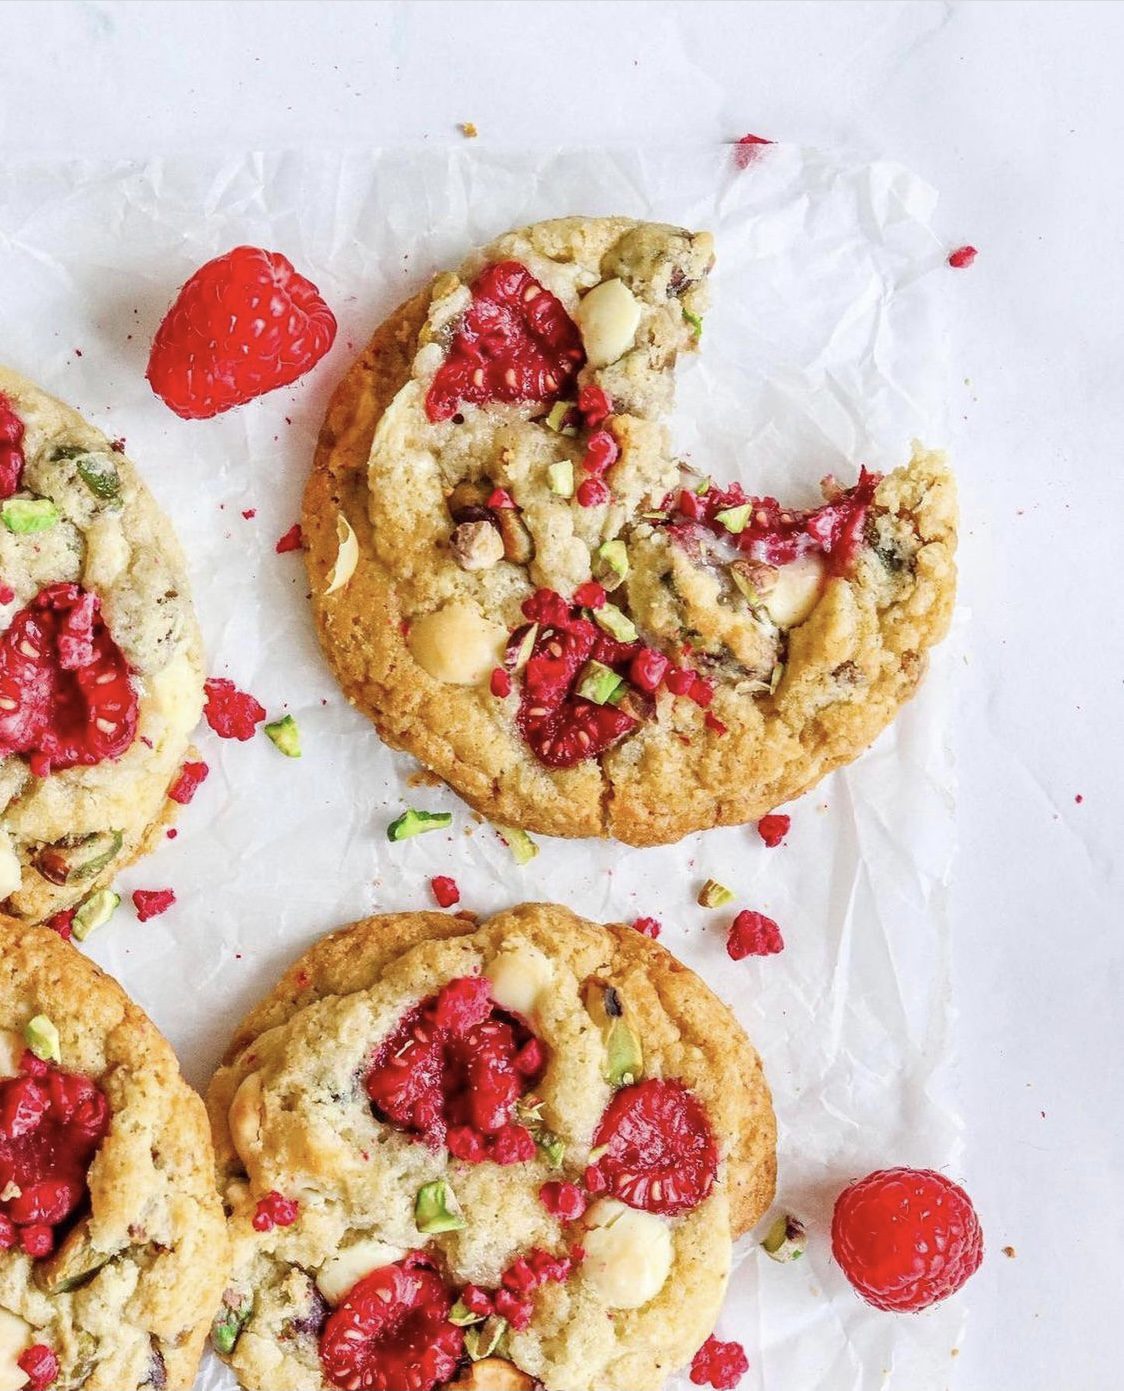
[
  {"x": 113, "y": 1249},
  {"x": 101, "y": 667},
  {"x": 520, "y": 584},
  {"x": 505, "y": 1154}
]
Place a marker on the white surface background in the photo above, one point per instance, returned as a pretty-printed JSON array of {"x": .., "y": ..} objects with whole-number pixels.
[{"x": 1013, "y": 112}]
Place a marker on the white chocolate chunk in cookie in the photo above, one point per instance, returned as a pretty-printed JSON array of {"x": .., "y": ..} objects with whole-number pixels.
[
  {"x": 798, "y": 587},
  {"x": 245, "y": 1117},
  {"x": 342, "y": 1272},
  {"x": 608, "y": 317},
  {"x": 519, "y": 975},
  {"x": 11, "y": 872},
  {"x": 107, "y": 553},
  {"x": 347, "y": 556},
  {"x": 627, "y": 1253},
  {"x": 15, "y": 1339},
  {"x": 12, "y": 1047},
  {"x": 457, "y": 644}
]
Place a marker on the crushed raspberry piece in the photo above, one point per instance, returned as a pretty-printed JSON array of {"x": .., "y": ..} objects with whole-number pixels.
[
  {"x": 906, "y": 1238},
  {"x": 747, "y": 149},
  {"x": 717, "y": 1364},
  {"x": 593, "y": 492},
  {"x": 231, "y": 713},
  {"x": 514, "y": 1299},
  {"x": 275, "y": 1211},
  {"x": 393, "y": 1331},
  {"x": 187, "y": 784},
  {"x": 590, "y": 595},
  {"x": 500, "y": 501},
  {"x": 648, "y": 669},
  {"x": 7, "y": 593},
  {"x": 648, "y": 927},
  {"x": 680, "y": 681},
  {"x": 150, "y": 903},
  {"x": 773, "y": 828},
  {"x": 452, "y": 1071},
  {"x": 65, "y": 694},
  {"x": 714, "y": 723},
  {"x": 753, "y": 934},
  {"x": 563, "y": 1200},
  {"x": 515, "y": 343},
  {"x": 601, "y": 453},
  {"x": 11, "y": 451},
  {"x": 658, "y": 1150},
  {"x": 249, "y": 513},
  {"x": 293, "y": 540},
  {"x": 40, "y": 1365},
  {"x": 500, "y": 683},
  {"x": 244, "y": 324},
  {"x": 962, "y": 257},
  {"x": 701, "y": 691},
  {"x": 62, "y": 923},
  {"x": 595, "y": 405},
  {"x": 51, "y": 1124},
  {"x": 445, "y": 890}
]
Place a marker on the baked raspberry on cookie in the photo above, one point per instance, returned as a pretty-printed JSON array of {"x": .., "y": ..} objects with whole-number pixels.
[
  {"x": 101, "y": 674},
  {"x": 113, "y": 1249},
  {"x": 498, "y": 1155},
  {"x": 520, "y": 583}
]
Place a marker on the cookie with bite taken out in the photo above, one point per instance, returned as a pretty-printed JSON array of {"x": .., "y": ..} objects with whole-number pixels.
[{"x": 503, "y": 1155}]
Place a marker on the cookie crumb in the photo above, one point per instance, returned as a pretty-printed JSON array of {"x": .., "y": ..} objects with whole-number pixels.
[
  {"x": 1010, "y": 1252},
  {"x": 468, "y": 130}
]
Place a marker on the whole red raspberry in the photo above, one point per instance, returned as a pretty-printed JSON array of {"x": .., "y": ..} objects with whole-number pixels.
[
  {"x": 753, "y": 934},
  {"x": 244, "y": 324},
  {"x": 717, "y": 1364},
  {"x": 906, "y": 1238}
]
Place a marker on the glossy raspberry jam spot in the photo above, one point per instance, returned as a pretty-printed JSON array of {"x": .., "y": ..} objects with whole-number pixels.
[
  {"x": 656, "y": 1148},
  {"x": 515, "y": 343},
  {"x": 51, "y": 1123},
  {"x": 452, "y": 1071},
  {"x": 65, "y": 693},
  {"x": 776, "y": 535},
  {"x": 393, "y": 1331},
  {"x": 561, "y": 728},
  {"x": 11, "y": 449}
]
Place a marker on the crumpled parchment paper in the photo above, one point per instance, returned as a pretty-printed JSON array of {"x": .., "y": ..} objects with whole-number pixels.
[{"x": 824, "y": 349}]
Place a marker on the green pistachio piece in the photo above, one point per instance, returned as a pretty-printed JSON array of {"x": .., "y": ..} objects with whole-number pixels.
[
  {"x": 556, "y": 420},
  {"x": 560, "y": 476},
  {"x": 42, "y": 1037},
  {"x": 526, "y": 647},
  {"x": 598, "y": 683},
  {"x": 74, "y": 1261},
  {"x": 522, "y": 847},
  {"x": 230, "y": 1321},
  {"x": 734, "y": 519},
  {"x": 786, "y": 1239},
  {"x": 286, "y": 736},
  {"x": 464, "y": 1317},
  {"x": 100, "y": 475},
  {"x": 436, "y": 1209},
  {"x": 26, "y": 515},
  {"x": 695, "y": 320},
  {"x": 615, "y": 623},
  {"x": 415, "y": 823},
  {"x": 714, "y": 895},
  {"x": 554, "y": 1149},
  {"x": 624, "y": 1057},
  {"x": 95, "y": 912},
  {"x": 75, "y": 858},
  {"x": 483, "y": 1341},
  {"x": 702, "y": 487},
  {"x": 612, "y": 564}
]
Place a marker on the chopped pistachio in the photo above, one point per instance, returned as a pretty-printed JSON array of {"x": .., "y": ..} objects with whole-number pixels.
[
  {"x": 560, "y": 476},
  {"x": 95, "y": 912},
  {"x": 436, "y": 1209},
  {"x": 42, "y": 1037},
  {"x": 612, "y": 564},
  {"x": 695, "y": 320},
  {"x": 26, "y": 515},
  {"x": 734, "y": 519},
  {"x": 464, "y": 1317},
  {"x": 556, "y": 420},
  {"x": 702, "y": 487},
  {"x": 415, "y": 823},
  {"x": 482, "y": 1342},
  {"x": 786, "y": 1239},
  {"x": 73, "y": 859},
  {"x": 75, "y": 1260},
  {"x": 522, "y": 847},
  {"x": 285, "y": 735},
  {"x": 552, "y": 1147},
  {"x": 100, "y": 475},
  {"x": 526, "y": 647},
  {"x": 714, "y": 895},
  {"x": 624, "y": 1057},
  {"x": 598, "y": 683},
  {"x": 616, "y": 623},
  {"x": 230, "y": 1321}
]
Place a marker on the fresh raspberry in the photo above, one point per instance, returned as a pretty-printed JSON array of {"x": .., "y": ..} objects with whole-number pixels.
[
  {"x": 231, "y": 713},
  {"x": 40, "y": 1365},
  {"x": 515, "y": 343},
  {"x": 601, "y": 453},
  {"x": 962, "y": 257},
  {"x": 658, "y": 1152},
  {"x": 293, "y": 540},
  {"x": 463, "y": 1004},
  {"x": 906, "y": 1238},
  {"x": 595, "y": 405},
  {"x": 648, "y": 927},
  {"x": 244, "y": 324},
  {"x": 62, "y": 923},
  {"x": 445, "y": 890},
  {"x": 274, "y": 1210},
  {"x": 590, "y": 595},
  {"x": 37, "y": 1240},
  {"x": 187, "y": 784},
  {"x": 150, "y": 903},
  {"x": 593, "y": 492},
  {"x": 717, "y": 1364},
  {"x": 563, "y": 1200},
  {"x": 753, "y": 934},
  {"x": 773, "y": 828},
  {"x": 500, "y": 684},
  {"x": 11, "y": 451},
  {"x": 393, "y": 1331},
  {"x": 65, "y": 694}
]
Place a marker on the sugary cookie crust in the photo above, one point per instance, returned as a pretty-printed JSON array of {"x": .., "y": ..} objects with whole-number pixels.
[
  {"x": 314, "y": 1138},
  {"x": 130, "y": 558},
  {"x": 142, "y": 1318},
  {"x": 847, "y": 669}
]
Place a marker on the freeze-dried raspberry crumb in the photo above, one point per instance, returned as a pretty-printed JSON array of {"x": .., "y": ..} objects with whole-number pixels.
[
  {"x": 150, "y": 903},
  {"x": 500, "y": 684},
  {"x": 717, "y": 1364},
  {"x": 563, "y": 1200},
  {"x": 275, "y": 1211},
  {"x": 445, "y": 890},
  {"x": 753, "y": 934},
  {"x": 590, "y": 595},
  {"x": 63, "y": 923},
  {"x": 231, "y": 713},
  {"x": 40, "y": 1365},
  {"x": 714, "y": 723},
  {"x": 747, "y": 149},
  {"x": 962, "y": 257},
  {"x": 291, "y": 541},
  {"x": 249, "y": 513},
  {"x": 7, "y": 593},
  {"x": 187, "y": 784},
  {"x": 773, "y": 828},
  {"x": 648, "y": 927}
]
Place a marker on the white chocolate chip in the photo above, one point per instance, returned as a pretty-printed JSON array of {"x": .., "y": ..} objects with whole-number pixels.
[
  {"x": 608, "y": 317},
  {"x": 11, "y": 871},
  {"x": 457, "y": 644},
  {"x": 342, "y": 1272},
  {"x": 15, "y": 1339},
  {"x": 627, "y": 1253},
  {"x": 796, "y": 590},
  {"x": 12, "y": 1049},
  {"x": 519, "y": 975},
  {"x": 107, "y": 553},
  {"x": 245, "y": 1117},
  {"x": 347, "y": 556}
]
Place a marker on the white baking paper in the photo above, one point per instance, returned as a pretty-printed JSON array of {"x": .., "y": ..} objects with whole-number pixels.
[{"x": 824, "y": 349}]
